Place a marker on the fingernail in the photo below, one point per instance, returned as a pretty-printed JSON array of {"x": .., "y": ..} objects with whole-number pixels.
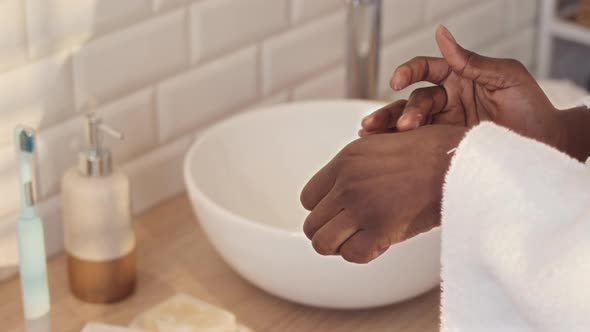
[
  {"x": 418, "y": 121},
  {"x": 367, "y": 119},
  {"x": 379, "y": 252},
  {"x": 448, "y": 34},
  {"x": 399, "y": 82},
  {"x": 403, "y": 118},
  {"x": 405, "y": 121},
  {"x": 396, "y": 84}
]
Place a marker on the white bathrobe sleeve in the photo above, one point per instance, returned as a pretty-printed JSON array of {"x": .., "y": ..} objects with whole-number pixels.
[{"x": 515, "y": 237}]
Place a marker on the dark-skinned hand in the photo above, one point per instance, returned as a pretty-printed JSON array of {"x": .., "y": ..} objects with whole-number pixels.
[
  {"x": 469, "y": 88},
  {"x": 384, "y": 189},
  {"x": 378, "y": 191}
]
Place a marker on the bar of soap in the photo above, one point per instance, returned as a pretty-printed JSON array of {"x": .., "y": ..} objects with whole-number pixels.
[
  {"x": 96, "y": 327},
  {"x": 183, "y": 313}
]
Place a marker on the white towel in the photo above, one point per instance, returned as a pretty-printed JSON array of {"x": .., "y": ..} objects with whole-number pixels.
[{"x": 515, "y": 237}]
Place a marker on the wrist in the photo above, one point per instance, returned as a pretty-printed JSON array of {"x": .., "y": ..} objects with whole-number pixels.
[
  {"x": 573, "y": 132},
  {"x": 456, "y": 134},
  {"x": 561, "y": 123}
]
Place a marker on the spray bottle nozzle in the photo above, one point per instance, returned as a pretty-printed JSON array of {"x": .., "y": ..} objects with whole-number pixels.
[
  {"x": 95, "y": 130},
  {"x": 97, "y": 160}
]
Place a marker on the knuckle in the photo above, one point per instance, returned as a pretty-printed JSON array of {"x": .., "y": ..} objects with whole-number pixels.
[
  {"x": 306, "y": 200},
  {"x": 383, "y": 245},
  {"x": 309, "y": 229},
  {"x": 356, "y": 253},
  {"x": 400, "y": 103},
  {"x": 347, "y": 157},
  {"x": 340, "y": 161},
  {"x": 418, "y": 59},
  {"x": 347, "y": 191},
  {"x": 352, "y": 149},
  {"x": 322, "y": 247},
  {"x": 363, "y": 249},
  {"x": 514, "y": 64},
  {"x": 417, "y": 94}
]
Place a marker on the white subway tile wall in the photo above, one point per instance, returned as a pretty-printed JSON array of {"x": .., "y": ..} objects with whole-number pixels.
[
  {"x": 159, "y": 5},
  {"x": 163, "y": 69},
  {"x": 203, "y": 94},
  {"x": 436, "y": 9},
  {"x": 330, "y": 84},
  {"x": 57, "y": 150},
  {"x": 164, "y": 168},
  {"x": 520, "y": 13},
  {"x": 133, "y": 115},
  {"x": 521, "y": 47},
  {"x": 13, "y": 40},
  {"x": 233, "y": 24},
  {"x": 400, "y": 16},
  {"x": 38, "y": 94},
  {"x": 58, "y": 24},
  {"x": 9, "y": 180},
  {"x": 302, "y": 10},
  {"x": 485, "y": 17},
  {"x": 293, "y": 56},
  {"x": 120, "y": 63}
]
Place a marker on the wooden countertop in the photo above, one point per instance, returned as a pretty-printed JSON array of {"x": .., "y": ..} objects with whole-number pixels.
[{"x": 175, "y": 256}]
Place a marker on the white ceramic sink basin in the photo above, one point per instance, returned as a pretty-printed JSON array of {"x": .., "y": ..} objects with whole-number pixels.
[{"x": 244, "y": 177}]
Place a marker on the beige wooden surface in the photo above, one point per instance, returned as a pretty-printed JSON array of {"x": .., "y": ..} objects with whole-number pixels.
[{"x": 174, "y": 256}]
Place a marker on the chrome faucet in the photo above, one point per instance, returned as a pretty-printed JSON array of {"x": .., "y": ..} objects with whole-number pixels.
[{"x": 364, "y": 41}]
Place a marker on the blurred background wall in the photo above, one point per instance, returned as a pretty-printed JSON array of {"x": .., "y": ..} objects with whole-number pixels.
[{"x": 161, "y": 69}]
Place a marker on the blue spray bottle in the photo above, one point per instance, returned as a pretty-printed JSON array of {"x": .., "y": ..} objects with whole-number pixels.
[{"x": 31, "y": 243}]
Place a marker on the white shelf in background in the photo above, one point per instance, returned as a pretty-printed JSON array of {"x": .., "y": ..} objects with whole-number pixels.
[
  {"x": 571, "y": 31},
  {"x": 553, "y": 23}
]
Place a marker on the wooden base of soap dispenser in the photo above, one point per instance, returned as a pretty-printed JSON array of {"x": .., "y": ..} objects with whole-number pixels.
[{"x": 104, "y": 281}]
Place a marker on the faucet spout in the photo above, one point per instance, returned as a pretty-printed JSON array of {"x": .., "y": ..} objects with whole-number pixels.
[{"x": 364, "y": 41}]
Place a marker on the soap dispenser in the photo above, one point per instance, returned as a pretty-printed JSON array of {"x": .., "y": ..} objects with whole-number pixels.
[{"x": 99, "y": 238}]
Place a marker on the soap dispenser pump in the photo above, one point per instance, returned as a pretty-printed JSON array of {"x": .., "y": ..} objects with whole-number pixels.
[{"x": 99, "y": 238}]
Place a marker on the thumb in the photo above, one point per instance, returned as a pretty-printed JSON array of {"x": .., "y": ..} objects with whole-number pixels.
[{"x": 490, "y": 72}]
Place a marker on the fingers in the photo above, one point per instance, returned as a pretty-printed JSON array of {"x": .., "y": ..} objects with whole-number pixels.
[
  {"x": 322, "y": 213},
  {"x": 342, "y": 236},
  {"x": 406, "y": 115},
  {"x": 382, "y": 120},
  {"x": 318, "y": 187},
  {"x": 422, "y": 104},
  {"x": 433, "y": 70},
  {"x": 490, "y": 72},
  {"x": 328, "y": 239},
  {"x": 364, "y": 246}
]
